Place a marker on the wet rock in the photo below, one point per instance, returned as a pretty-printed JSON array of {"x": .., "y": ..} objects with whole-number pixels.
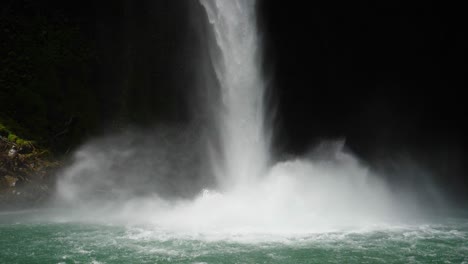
[
  {"x": 9, "y": 181},
  {"x": 12, "y": 152},
  {"x": 26, "y": 176}
]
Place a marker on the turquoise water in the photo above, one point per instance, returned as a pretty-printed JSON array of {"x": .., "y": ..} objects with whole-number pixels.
[{"x": 29, "y": 238}]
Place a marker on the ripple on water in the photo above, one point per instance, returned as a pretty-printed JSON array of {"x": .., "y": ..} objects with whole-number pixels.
[{"x": 90, "y": 243}]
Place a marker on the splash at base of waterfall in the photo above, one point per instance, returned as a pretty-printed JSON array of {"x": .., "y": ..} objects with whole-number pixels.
[{"x": 300, "y": 196}]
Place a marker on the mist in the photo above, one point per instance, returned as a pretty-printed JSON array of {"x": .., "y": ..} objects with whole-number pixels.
[{"x": 157, "y": 179}]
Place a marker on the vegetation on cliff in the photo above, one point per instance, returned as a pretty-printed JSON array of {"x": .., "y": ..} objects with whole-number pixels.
[
  {"x": 47, "y": 104},
  {"x": 71, "y": 70},
  {"x": 45, "y": 96}
]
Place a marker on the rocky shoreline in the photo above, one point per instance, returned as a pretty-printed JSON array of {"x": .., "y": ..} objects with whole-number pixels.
[{"x": 26, "y": 175}]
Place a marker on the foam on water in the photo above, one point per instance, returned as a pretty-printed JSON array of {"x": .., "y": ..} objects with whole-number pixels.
[{"x": 84, "y": 243}]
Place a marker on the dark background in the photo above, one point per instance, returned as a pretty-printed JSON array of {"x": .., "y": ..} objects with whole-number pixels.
[
  {"x": 389, "y": 76},
  {"x": 386, "y": 75}
]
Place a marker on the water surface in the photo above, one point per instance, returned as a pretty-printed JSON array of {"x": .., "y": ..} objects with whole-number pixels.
[{"x": 28, "y": 237}]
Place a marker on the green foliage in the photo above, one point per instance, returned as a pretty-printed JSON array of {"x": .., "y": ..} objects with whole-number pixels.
[{"x": 7, "y": 127}]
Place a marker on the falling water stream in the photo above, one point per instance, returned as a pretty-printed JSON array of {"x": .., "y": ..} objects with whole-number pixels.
[
  {"x": 241, "y": 119},
  {"x": 140, "y": 202}
]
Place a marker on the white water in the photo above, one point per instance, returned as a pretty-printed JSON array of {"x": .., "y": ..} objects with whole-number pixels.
[
  {"x": 241, "y": 117},
  {"x": 330, "y": 191}
]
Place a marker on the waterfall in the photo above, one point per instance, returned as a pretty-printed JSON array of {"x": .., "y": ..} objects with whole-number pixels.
[
  {"x": 240, "y": 119},
  {"x": 146, "y": 178}
]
